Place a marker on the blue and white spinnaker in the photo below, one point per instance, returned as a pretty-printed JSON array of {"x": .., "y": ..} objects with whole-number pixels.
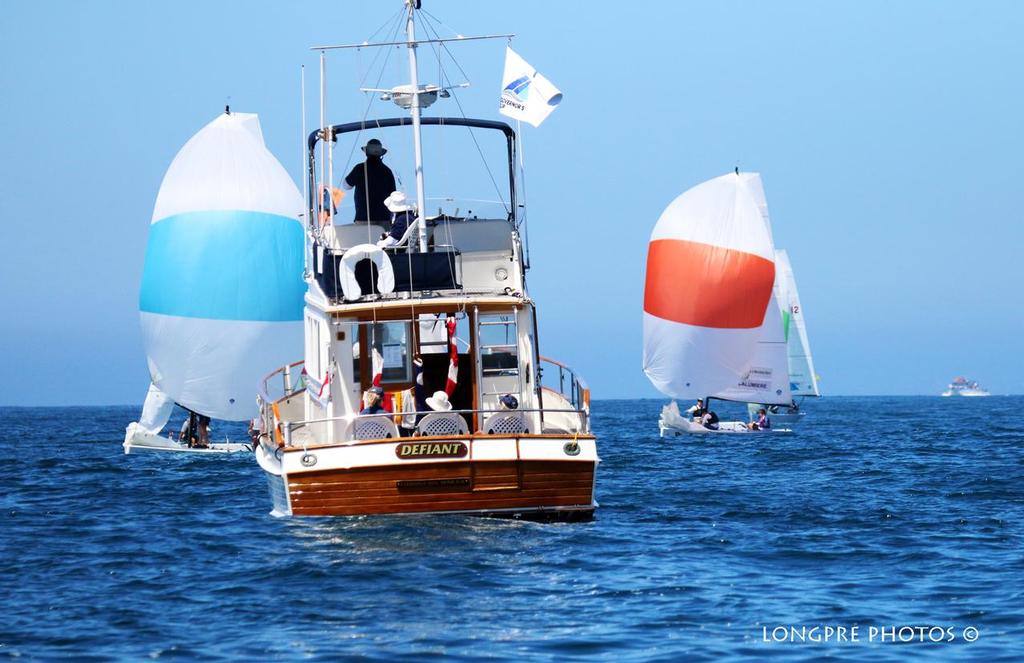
[{"x": 222, "y": 288}]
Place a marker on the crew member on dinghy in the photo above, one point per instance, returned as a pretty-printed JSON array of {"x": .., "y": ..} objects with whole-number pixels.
[{"x": 762, "y": 422}]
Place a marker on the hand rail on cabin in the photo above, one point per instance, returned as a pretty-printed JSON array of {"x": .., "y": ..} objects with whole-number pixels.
[
  {"x": 578, "y": 397},
  {"x": 287, "y": 427},
  {"x": 578, "y": 394}
]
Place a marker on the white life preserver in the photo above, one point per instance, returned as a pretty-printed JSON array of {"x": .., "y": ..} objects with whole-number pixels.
[{"x": 347, "y": 273}]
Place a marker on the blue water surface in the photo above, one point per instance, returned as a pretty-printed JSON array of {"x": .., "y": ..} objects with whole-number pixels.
[{"x": 877, "y": 512}]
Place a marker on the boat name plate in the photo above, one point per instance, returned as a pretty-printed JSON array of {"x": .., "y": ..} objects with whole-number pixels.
[{"x": 407, "y": 450}]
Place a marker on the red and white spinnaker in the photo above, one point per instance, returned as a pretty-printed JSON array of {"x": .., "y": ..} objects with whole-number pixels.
[{"x": 710, "y": 270}]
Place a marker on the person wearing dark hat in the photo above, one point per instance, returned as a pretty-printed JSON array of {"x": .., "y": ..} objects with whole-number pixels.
[
  {"x": 373, "y": 182},
  {"x": 372, "y": 401}
]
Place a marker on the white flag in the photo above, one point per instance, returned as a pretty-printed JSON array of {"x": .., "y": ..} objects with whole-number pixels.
[{"x": 525, "y": 94}]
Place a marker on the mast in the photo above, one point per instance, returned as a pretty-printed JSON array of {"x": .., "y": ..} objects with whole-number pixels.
[{"x": 410, "y": 29}]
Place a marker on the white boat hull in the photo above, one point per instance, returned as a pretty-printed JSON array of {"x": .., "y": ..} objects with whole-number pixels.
[
  {"x": 787, "y": 419},
  {"x": 724, "y": 427},
  {"x": 672, "y": 423},
  {"x": 137, "y": 440}
]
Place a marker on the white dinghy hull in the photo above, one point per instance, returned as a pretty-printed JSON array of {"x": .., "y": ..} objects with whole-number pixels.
[
  {"x": 672, "y": 422},
  {"x": 137, "y": 440}
]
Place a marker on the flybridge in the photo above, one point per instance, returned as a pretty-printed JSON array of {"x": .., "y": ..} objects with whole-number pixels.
[{"x": 317, "y": 137}]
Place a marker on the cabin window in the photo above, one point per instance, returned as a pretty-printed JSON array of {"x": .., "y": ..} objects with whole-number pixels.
[
  {"x": 433, "y": 334},
  {"x": 499, "y": 344},
  {"x": 391, "y": 355}
]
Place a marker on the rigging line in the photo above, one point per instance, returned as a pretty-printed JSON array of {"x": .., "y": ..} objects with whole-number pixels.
[
  {"x": 455, "y": 96},
  {"x": 480, "y": 151},
  {"x": 442, "y": 78},
  {"x": 444, "y": 45},
  {"x": 366, "y": 113},
  {"x": 487, "y": 168},
  {"x": 396, "y": 19},
  {"x": 521, "y": 181}
]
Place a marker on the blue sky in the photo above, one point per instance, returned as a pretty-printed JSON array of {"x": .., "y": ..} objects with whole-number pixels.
[{"x": 888, "y": 136}]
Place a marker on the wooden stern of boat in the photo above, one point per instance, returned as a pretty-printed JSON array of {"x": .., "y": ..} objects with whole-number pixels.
[{"x": 539, "y": 477}]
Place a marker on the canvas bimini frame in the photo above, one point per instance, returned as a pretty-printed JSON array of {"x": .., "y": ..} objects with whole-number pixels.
[{"x": 349, "y": 127}]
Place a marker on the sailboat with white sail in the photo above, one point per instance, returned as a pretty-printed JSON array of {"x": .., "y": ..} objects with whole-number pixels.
[
  {"x": 803, "y": 381},
  {"x": 222, "y": 284},
  {"x": 712, "y": 328}
]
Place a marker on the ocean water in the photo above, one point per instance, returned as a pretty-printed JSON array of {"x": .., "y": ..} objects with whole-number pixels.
[{"x": 878, "y": 513}]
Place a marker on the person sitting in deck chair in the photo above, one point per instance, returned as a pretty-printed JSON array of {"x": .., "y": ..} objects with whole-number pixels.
[
  {"x": 372, "y": 401},
  {"x": 403, "y": 216},
  {"x": 762, "y": 422}
]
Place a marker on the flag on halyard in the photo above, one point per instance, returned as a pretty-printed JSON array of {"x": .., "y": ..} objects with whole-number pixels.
[
  {"x": 525, "y": 94},
  {"x": 453, "y": 358}
]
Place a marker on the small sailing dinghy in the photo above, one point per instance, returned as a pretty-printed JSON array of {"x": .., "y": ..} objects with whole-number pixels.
[
  {"x": 712, "y": 328},
  {"x": 222, "y": 285}
]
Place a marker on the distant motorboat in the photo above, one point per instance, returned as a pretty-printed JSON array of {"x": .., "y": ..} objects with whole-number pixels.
[{"x": 961, "y": 386}]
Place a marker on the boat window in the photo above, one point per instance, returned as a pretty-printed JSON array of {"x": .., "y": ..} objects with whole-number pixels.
[
  {"x": 391, "y": 356},
  {"x": 474, "y": 161},
  {"x": 433, "y": 334},
  {"x": 499, "y": 347}
]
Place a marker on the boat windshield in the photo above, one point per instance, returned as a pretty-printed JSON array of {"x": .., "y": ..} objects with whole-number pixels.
[{"x": 469, "y": 165}]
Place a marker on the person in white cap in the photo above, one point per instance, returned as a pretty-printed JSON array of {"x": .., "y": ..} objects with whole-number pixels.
[
  {"x": 372, "y": 181},
  {"x": 403, "y": 216},
  {"x": 439, "y": 402}
]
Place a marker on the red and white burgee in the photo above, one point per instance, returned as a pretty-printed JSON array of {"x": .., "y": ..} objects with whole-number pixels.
[
  {"x": 325, "y": 386},
  {"x": 377, "y": 366},
  {"x": 323, "y": 394},
  {"x": 453, "y": 356}
]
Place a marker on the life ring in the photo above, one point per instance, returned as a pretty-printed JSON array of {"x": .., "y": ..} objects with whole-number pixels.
[{"x": 347, "y": 273}]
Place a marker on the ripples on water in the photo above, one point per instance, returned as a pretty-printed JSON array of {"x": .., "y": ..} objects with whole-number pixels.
[{"x": 880, "y": 511}]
